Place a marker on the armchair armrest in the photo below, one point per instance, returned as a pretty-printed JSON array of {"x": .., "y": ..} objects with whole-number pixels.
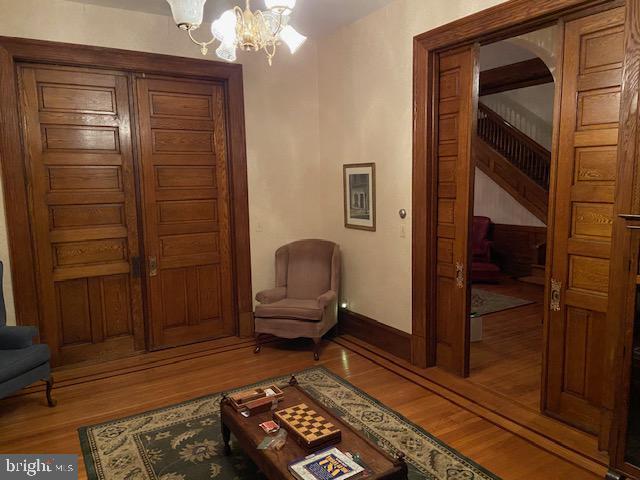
[
  {"x": 15, "y": 338},
  {"x": 272, "y": 296},
  {"x": 326, "y": 298}
]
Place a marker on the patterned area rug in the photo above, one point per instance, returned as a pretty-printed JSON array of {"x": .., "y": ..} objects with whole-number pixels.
[
  {"x": 183, "y": 442},
  {"x": 484, "y": 303}
]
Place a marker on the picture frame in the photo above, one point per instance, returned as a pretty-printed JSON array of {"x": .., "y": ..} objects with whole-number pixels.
[{"x": 360, "y": 196}]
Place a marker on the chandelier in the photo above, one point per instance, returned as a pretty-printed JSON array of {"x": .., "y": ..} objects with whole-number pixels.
[{"x": 244, "y": 29}]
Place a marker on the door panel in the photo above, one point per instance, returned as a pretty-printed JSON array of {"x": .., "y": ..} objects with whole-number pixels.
[
  {"x": 457, "y": 96},
  {"x": 184, "y": 162},
  {"x": 584, "y": 193},
  {"x": 84, "y": 224}
]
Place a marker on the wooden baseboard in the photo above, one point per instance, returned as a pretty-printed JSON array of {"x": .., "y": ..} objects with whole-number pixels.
[
  {"x": 391, "y": 340},
  {"x": 575, "y": 446}
]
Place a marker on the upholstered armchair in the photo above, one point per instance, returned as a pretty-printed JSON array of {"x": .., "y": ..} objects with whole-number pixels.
[
  {"x": 304, "y": 302},
  {"x": 21, "y": 362},
  {"x": 483, "y": 269}
]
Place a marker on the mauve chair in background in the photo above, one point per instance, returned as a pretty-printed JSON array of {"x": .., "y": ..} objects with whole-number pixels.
[
  {"x": 483, "y": 268},
  {"x": 304, "y": 302}
]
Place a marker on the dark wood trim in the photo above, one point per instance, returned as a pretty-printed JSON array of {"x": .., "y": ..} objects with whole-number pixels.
[
  {"x": 577, "y": 447},
  {"x": 13, "y": 50},
  {"x": 511, "y": 18},
  {"x": 624, "y": 266},
  {"x": 391, "y": 340},
  {"x": 504, "y": 20},
  {"x": 16, "y": 198},
  {"x": 423, "y": 188},
  {"x": 527, "y": 73}
]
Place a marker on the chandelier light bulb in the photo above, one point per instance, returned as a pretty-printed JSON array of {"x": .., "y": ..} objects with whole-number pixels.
[
  {"x": 224, "y": 28},
  {"x": 227, "y": 52},
  {"x": 292, "y": 38},
  {"x": 187, "y": 13}
]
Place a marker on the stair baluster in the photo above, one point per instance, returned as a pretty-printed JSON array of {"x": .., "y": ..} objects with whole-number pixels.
[{"x": 526, "y": 154}]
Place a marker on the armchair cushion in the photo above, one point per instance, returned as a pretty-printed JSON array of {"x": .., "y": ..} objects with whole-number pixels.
[
  {"x": 14, "y": 338},
  {"x": 291, "y": 308},
  {"x": 17, "y": 362},
  {"x": 271, "y": 296}
]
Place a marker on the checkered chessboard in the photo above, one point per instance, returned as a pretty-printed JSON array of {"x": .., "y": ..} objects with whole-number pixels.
[{"x": 312, "y": 428}]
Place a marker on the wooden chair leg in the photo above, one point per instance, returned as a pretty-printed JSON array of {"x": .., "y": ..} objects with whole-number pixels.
[
  {"x": 50, "y": 400},
  {"x": 316, "y": 348},
  {"x": 258, "y": 344}
]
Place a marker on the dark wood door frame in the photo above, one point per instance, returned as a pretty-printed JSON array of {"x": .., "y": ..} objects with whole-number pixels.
[
  {"x": 511, "y": 18},
  {"x": 16, "y": 188},
  {"x": 625, "y": 266}
]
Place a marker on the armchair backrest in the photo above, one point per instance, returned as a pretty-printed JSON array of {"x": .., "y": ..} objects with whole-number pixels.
[
  {"x": 480, "y": 229},
  {"x": 479, "y": 237},
  {"x": 308, "y": 268}
]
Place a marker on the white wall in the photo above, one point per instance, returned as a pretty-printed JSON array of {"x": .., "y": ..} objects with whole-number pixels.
[
  {"x": 491, "y": 200},
  {"x": 360, "y": 76},
  {"x": 281, "y": 105},
  {"x": 366, "y": 75}
]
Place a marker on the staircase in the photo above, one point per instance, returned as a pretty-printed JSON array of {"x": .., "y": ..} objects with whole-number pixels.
[{"x": 513, "y": 160}]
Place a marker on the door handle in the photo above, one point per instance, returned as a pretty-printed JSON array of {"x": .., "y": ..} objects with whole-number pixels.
[
  {"x": 459, "y": 275},
  {"x": 630, "y": 217},
  {"x": 153, "y": 266},
  {"x": 556, "y": 290}
]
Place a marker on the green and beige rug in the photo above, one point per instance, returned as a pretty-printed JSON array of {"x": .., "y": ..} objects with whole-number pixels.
[
  {"x": 484, "y": 302},
  {"x": 183, "y": 442}
]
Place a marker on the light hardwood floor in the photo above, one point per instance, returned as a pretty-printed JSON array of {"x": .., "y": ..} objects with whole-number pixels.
[
  {"x": 27, "y": 426},
  {"x": 508, "y": 360}
]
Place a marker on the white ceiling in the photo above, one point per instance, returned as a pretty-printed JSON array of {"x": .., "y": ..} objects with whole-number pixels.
[
  {"x": 313, "y": 18},
  {"x": 502, "y": 53}
]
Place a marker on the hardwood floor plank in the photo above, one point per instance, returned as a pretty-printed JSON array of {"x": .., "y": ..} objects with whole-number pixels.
[
  {"x": 508, "y": 359},
  {"x": 28, "y": 426}
]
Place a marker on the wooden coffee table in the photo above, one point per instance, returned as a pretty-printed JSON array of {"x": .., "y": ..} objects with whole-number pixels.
[{"x": 274, "y": 464}]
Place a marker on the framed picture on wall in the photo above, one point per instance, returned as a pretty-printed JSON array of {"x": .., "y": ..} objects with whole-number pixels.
[{"x": 360, "y": 196}]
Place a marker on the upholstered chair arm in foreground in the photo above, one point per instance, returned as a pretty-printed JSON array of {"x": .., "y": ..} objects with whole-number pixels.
[
  {"x": 271, "y": 296},
  {"x": 15, "y": 338},
  {"x": 21, "y": 362},
  {"x": 326, "y": 299}
]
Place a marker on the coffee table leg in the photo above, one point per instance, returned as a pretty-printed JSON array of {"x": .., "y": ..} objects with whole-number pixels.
[{"x": 226, "y": 437}]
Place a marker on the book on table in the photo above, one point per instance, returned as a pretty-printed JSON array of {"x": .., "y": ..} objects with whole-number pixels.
[{"x": 330, "y": 464}]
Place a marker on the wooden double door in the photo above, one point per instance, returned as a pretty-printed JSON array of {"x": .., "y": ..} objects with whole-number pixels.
[
  {"x": 581, "y": 216},
  {"x": 129, "y": 210}
]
